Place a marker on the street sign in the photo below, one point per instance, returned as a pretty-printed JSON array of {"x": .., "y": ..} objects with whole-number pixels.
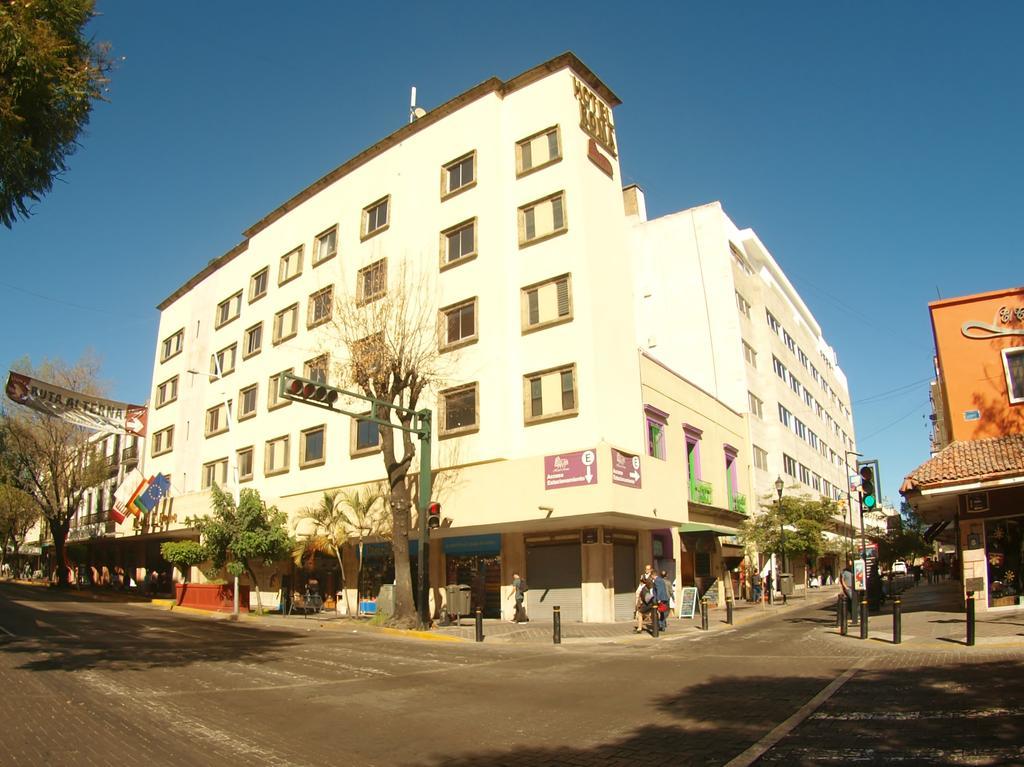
[
  {"x": 859, "y": 578},
  {"x": 626, "y": 469},
  {"x": 688, "y": 602},
  {"x": 570, "y": 469}
]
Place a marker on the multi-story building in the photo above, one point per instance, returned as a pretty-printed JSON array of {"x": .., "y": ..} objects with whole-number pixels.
[
  {"x": 972, "y": 489},
  {"x": 566, "y": 450}
]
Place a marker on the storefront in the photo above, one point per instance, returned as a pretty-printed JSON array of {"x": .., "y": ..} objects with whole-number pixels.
[
  {"x": 554, "y": 573},
  {"x": 475, "y": 561},
  {"x": 626, "y": 571}
]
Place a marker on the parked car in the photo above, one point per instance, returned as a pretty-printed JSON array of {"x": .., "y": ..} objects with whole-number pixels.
[{"x": 899, "y": 567}]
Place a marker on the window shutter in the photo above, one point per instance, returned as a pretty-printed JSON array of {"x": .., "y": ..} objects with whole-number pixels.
[{"x": 563, "y": 297}]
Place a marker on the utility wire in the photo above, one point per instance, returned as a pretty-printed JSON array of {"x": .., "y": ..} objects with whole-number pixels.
[
  {"x": 890, "y": 425},
  {"x": 62, "y": 302},
  {"x": 881, "y": 395}
]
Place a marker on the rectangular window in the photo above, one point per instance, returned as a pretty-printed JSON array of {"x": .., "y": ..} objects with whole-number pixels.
[
  {"x": 172, "y": 345},
  {"x": 743, "y": 305},
  {"x": 372, "y": 281},
  {"x": 459, "y": 408},
  {"x": 800, "y": 428},
  {"x": 542, "y": 219},
  {"x": 789, "y": 465},
  {"x": 258, "y": 284},
  {"x": 311, "y": 447},
  {"x": 794, "y": 384},
  {"x": 316, "y": 369},
  {"x": 245, "y": 464},
  {"x": 275, "y": 460},
  {"x": 163, "y": 441},
  {"x": 458, "y": 175},
  {"x": 550, "y": 394},
  {"x": 247, "y": 402},
  {"x": 760, "y": 458},
  {"x": 815, "y": 375},
  {"x": 778, "y": 367},
  {"x": 167, "y": 392},
  {"x": 816, "y": 482},
  {"x": 692, "y": 465},
  {"x": 215, "y": 472},
  {"x": 290, "y": 266},
  {"x": 223, "y": 362},
  {"x": 538, "y": 151},
  {"x": 656, "y": 425},
  {"x": 286, "y": 323},
  {"x": 812, "y": 439},
  {"x": 749, "y": 354},
  {"x": 805, "y": 475},
  {"x": 273, "y": 400},
  {"x": 546, "y": 303},
  {"x": 229, "y": 309},
  {"x": 365, "y": 437},
  {"x": 773, "y": 323},
  {"x": 325, "y": 246},
  {"x": 808, "y": 398},
  {"x": 790, "y": 343},
  {"x": 216, "y": 420},
  {"x": 1013, "y": 366},
  {"x": 375, "y": 217},
  {"x": 785, "y": 416},
  {"x": 321, "y": 306},
  {"x": 756, "y": 405},
  {"x": 458, "y": 243},
  {"x": 253, "y": 341},
  {"x": 802, "y": 357},
  {"x": 458, "y": 324}
]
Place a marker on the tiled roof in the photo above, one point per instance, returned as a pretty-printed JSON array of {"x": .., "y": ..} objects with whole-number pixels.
[{"x": 970, "y": 460}]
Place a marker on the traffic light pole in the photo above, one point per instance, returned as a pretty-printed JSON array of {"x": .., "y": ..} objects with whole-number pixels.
[{"x": 299, "y": 389}]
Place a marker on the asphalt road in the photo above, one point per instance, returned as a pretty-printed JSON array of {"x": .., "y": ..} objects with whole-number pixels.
[{"x": 97, "y": 683}]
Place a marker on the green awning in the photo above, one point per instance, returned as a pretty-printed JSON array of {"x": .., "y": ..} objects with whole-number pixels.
[{"x": 697, "y": 527}]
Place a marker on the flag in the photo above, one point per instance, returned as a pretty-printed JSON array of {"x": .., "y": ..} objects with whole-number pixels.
[
  {"x": 124, "y": 493},
  {"x": 156, "y": 490},
  {"x": 133, "y": 507}
]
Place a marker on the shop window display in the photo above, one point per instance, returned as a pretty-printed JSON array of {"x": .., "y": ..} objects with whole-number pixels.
[{"x": 1003, "y": 549}]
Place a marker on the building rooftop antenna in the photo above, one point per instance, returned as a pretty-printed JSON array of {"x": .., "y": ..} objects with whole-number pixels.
[{"x": 415, "y": 112}]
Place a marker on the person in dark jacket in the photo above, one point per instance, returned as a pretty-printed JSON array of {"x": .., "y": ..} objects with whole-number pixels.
[{"x": 661, "y": 595}]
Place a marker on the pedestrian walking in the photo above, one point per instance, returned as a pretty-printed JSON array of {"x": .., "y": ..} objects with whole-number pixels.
[
  {"x": 519, "y": 589},
  {"x": 846, "y": 584},
  {"x": 661, "y": 595},
  {"x": 768, "y": 587},
  {"x": 646, "y": 603}
]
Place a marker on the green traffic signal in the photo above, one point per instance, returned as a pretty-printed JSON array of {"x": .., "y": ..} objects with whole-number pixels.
[{"x": 867, "y": 487}]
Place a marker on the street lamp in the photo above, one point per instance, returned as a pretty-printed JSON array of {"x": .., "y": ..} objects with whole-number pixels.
[{"x": 779, "y": 484}]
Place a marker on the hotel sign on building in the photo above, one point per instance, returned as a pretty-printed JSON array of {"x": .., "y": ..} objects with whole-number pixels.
[{"x": 595, "y": 116}]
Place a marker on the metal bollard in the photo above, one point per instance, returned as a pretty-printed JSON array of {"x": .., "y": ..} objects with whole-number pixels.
[
  {"x": 728, "y": 611},
  {"x": 897, "y": 620},
  {"x": 864, "y": 616},
  {"x": 556, "y": 617},
  {"x": 479, "y": 625},
  {"x": 655, "y": 622},
  {"x": 704, "y": 614},
  {"x": 841, "y": 614},
  {"x": 970, "y": 619}
]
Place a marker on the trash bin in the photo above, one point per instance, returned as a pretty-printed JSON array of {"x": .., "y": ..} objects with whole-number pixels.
[
  {"x": 339, "y": 603},
  {"x": 459, "y": 598},
  {"x": 386, "y": 599},
  {"x": 786, "y": 584}
]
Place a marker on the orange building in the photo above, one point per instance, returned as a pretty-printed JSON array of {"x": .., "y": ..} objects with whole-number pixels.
[{"x": 974, "y": 483}]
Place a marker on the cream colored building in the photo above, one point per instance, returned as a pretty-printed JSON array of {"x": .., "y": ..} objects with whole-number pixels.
[{"x": 592, "y": 421}]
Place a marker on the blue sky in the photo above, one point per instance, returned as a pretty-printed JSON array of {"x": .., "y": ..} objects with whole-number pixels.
[{"x": 874, "y": 147}]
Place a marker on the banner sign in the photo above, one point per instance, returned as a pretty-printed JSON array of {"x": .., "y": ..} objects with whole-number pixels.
[
  {"x": 570, "y": 469},
  {"x": 625, "y": 469},
  {"x": 80, "y": 409}
]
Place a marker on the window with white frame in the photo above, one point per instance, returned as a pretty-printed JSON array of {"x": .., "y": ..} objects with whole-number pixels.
[
  {"x": 760, "y": 458},
  {"x": 546, "y": 303},
  {"x": 163, "y": 441},
  {"x": 802, "y": 357},
  {"x": 247, "y": 402},
  {"x": 800, "y": 428},
  {"x": 215, "y": 472},
  {"x": 459, "y": 410},
  {"x": 538, "y": 151},
  {"x": 312, "y": 447},
  {"x": 229, "y": 309},
  {"x": 773, "y": 323},
  {"x": 459, "y": 324},
  {"x": 286, "y": 323},
  {"x": 216, "y": 420},
  {"x": 789, "y": 465},
  {"x": 275, "y": 459},
  {"x": 316, "y": 369},
  {"x": 542, "y": 219},
  {"x": 245, "y": 464},
  {"x": 805, "y": 475},
  {"x": 458, "y": 243},
  {"x": 778, "y": 367},
  {"x": 790, "y": 343},
  {"x": 252, "y": 341},
  {"x": 794, "y": 384},
  {"x": 749, "y": 354},
  {"x": 325, "y": 245},
  {"x": 743, "y": 305},
  {"x": 258, "y": 284},
  {"x": 375, "y": 217},
  {"x": 290, "y": 266},
  {"x": 372, "y": 281},
  {"x": 321, "y": 306},
  {"x": 785, "y": 416},
  {"x": 223, "y": 362},
  {"x": 167, "y": 392},
  {"x": 550, "y": 394},
  {"x": 458, "y": 175},
  {"x": 756, "y": 405},
  {"x": 1013, "y": 366},
  {"x": 172, "y": 345},
  {"x": 274, "y": 401}
]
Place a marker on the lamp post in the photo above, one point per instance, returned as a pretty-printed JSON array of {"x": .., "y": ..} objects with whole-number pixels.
[{"x": 779, "y": 484}]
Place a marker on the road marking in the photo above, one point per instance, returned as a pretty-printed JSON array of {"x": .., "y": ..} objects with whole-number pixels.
[
  {"x": 6, "y": 631},
  {"x": 762, "y": 746},
  {"x": 860, "y": 716},
  {"x": 50, "y": 626}
]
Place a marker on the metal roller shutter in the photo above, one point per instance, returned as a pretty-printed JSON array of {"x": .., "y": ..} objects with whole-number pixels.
[
  {"x": 554, "y": 575},
  {"x": 626, "y": 580}
]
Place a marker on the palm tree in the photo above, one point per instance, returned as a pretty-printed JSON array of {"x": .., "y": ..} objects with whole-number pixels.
[{"x": 342, "y": 516}]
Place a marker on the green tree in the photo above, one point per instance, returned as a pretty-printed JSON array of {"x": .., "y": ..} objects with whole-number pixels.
[
  {"x": 906, "y": 541},
  {"x": 805, "y": 521},
  {"x": 18, "y": 514},
  {"x": 183, "y": 555},
  {"x": 235, "y": 536},
  {"x": 50, "y": 74},
  {"x": 49, "y": 458}
]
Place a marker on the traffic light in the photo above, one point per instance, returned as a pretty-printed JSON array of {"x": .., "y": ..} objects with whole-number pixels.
[
  {"x": 867, "y": 487},
  {"x": 309, "y": 390},
  {"x": 433, "y": 515}
]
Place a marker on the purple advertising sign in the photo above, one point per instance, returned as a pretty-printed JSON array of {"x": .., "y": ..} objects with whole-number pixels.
[
  {"x": 625, "y": 469},
  {"x": 570, "y": 469}
]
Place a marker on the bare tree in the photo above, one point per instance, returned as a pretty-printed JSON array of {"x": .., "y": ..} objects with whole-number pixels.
[
  {"x": 52, "y": 459},
  {"x": 390, "y": 330}
]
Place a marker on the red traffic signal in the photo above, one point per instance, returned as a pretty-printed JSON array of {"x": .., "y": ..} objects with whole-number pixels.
[{"x": 433, "y": 515}]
